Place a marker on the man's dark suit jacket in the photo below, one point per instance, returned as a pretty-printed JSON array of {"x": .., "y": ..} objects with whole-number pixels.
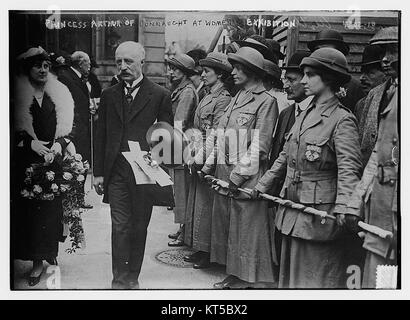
[
  {"x": 81, "y": 127},
  {"x": 152, "y": 103},
  {"x": 285, "y": 123}
]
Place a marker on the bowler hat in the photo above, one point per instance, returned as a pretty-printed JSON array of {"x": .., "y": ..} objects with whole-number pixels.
[
  {"x": 296, "y": 59},
  {"x": 329, "y": 36},
  {"x": 255, "y": 44},
  {"x": 372, "y": 54},
  {"x": 328, "y": 59},
  {"x": 250, "y": 58},
  {"x": 183, "y": 62},
  {"x": 271, "y": 69},
  {"x": 216, "y": 60},
  {"x": 386, "y": 36}
]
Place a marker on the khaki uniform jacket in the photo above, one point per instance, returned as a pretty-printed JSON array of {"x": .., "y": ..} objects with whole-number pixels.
[
  {"x": 321, "y": 165},
  {"x": 378, "y": 186},
  {"x": 244, "y": 136},
  {"x": 184, "y": 101}
]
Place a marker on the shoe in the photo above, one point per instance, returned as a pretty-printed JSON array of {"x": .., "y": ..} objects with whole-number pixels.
[
  {"x": 170, "y": 208},
  {"x": 33, "y": 281},
  {"x": 133, "y": 285},
  {"x": 87, "y": 206},
  {"x": 225, "y": 283},
  {"x": 203, "y": 263},
  {"x": 195, "y": 257},
  {"x": 174, "y": 235},
  {"x": 176, "y": 243}
]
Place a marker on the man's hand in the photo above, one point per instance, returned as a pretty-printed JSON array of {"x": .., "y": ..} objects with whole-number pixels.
[
  {"x": 39, "y": 147},
  {"x": 56, "y": 148},
  {"x": 99, "y": 185}
]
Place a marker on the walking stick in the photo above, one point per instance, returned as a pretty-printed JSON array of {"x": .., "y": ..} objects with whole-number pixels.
[
  {"x": 384, "y": 234},
  {"x": 94, "y": 103}
]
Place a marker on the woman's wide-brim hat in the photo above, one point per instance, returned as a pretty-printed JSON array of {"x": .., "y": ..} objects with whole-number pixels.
[
  {"x": 272, "y": 69},
  {"x": 183, "y": 62},
  {"x": 329, "y": 36},
  {"x": 250, "y": 58},
  {"x": 252, "y": 43},
  {"x": 389, "y": 35},
  {"x": 216, "y": 60},
  {"x": 328, "y": 59},
  {"x": 35, "y": 53}
]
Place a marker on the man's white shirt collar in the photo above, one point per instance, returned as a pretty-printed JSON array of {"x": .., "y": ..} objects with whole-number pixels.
[
  {"x": 134, "y": 83},
  {"x": 304, "y": 104}
]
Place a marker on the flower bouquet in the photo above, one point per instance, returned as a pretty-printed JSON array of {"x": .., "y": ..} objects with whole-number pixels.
[{"x": 60, "y": 177}]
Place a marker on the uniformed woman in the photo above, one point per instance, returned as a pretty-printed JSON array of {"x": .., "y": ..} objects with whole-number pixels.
[
  {"x": 242, "y": 228},
  {"x": 216, "y": 74},
  {"x": 184, "y": 102},
  {"x": 321, "y": 162}
]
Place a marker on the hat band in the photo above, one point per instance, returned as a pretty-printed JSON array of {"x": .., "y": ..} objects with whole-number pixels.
[{"x": 332, "y": 62}]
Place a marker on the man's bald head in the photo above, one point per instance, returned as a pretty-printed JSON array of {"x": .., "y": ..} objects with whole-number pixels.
[
  {"x": 81, "y": 61},
  {"x": 129, "y": 58},
  {"x": 133, "y": 48}
]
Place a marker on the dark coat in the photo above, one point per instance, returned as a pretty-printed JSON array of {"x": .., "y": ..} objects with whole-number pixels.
[
  {"x": 353, "y": 95},
  {"x": 81, "y": 134},
  {"x": 368, "y": 122},
  {"x": 285, "y": 123},
  {"x": 152, "y": 103}
]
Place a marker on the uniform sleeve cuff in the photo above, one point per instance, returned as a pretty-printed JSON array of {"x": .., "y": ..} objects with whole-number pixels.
[{"x": 237, "y": 179}]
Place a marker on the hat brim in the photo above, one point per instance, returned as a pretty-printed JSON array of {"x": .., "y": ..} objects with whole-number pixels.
[
  {"x": 214, "y": 64},
  {"x": 234, "y": 58},
  {"x": 261, "y": 48},
  {"x": 311, "y": 62},
  {"x": 180, "y": 66},
  {"x": 340, "y": 45},
  {"x": 383, "y": 41},
  {"x": 291, "y": 68},
  {"x": 369, "y": 63}
]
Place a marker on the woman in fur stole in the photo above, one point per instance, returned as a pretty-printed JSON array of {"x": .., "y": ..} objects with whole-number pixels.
[{"x": 43, "y": 116}]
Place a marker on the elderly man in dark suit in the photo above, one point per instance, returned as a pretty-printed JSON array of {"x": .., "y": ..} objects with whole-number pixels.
[
  {"x": 75, "y": 78},
  {"x": 126, "y": 112}
]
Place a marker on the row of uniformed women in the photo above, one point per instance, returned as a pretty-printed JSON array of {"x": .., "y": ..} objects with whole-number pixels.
[{"x": 321, "y": 162}]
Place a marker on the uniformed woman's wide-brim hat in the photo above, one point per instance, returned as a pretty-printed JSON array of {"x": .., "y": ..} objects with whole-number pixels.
[
  {"x": 250, "y": 58},
  {"x": 216, "y": 60},
  {"x": 255, "y": 44},
  {"x": 183, "y": 62},
  {"x": 389, "y": 35},
  {"x": 329, "y": 36},
  {"x": 272, "y": 69},
  {"x": 328, "y": 59}
]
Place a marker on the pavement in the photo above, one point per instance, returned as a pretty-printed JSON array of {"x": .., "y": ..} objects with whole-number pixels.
[{"x": 90, "y": 267}]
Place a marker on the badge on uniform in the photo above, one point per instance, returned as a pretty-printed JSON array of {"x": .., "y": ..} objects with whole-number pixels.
[
  {"x": 242, "y": 120},
  {"x": 313, "y": 152}
]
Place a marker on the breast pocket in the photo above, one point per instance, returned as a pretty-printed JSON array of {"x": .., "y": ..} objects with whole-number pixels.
[
  {"x": 246, "y": 118},
  {"x": 315, "y": 148}
]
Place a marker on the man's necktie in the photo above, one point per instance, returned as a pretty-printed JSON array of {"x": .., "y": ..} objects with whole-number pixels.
[
  {"x": 298, "y": 109},
  {"x": 130, "y": 90}
]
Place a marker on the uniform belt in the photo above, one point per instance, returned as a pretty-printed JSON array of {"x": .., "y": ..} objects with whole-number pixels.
[{"x": 298, "y": 176}]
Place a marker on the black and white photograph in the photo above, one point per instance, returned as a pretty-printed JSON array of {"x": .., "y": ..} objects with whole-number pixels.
[{"x": 204, "y": 150}]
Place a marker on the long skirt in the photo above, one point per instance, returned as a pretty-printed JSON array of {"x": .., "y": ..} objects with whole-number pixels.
[
  {"x": 181, "y": 179},
  {"x": 36, "y": 229},
  {"x": 310, "y": 264},
  {"x": 199, "y": 214},
  {"x": 242, "y": 237}
]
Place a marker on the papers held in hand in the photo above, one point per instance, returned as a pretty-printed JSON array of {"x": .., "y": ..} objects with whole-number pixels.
[{"x": 144, "y": 170}]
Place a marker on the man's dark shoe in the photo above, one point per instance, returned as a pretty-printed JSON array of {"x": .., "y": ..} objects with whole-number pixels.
[{"x": 194, "y": 257}]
